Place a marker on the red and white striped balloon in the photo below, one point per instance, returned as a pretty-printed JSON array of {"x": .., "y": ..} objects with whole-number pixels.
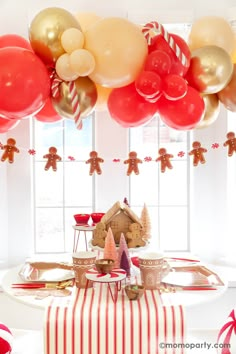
[{"x": 6, "y": 339}]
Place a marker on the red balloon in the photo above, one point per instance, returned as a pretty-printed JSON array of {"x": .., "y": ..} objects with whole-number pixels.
[
  {"x": 159, "y": 43},
  {"x": 128, "y": 108},
  {"x": 48, "y": 113},
  {"x": 183, "y": 114},
  {"x": 148, "y": 84},
  {"x": 174, "y": 87},
  {"x": 13, "y": 40},
  {"x": 159, "y": 62},
  {"x": 7, "y": 124},
  {"x": 24, "y": 83}
]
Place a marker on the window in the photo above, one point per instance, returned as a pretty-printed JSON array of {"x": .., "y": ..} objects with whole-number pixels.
[
  {"x": 70, "y": 190},
  {"x": 166, "y": 194},
  {"x": 61, "y": 194}
]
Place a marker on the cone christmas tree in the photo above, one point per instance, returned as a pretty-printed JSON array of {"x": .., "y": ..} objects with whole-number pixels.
[
  {"x": 110, "y": 251},
  {"x": 124, "y": 263},
  {"x": 123, "y": 248},
  {"x": 146, "y": 222}
]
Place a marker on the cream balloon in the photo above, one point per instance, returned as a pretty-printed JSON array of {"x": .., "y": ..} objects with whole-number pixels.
[
  {"x": 45, "y": 32},
  {"x": 211, "y": 30},
  {"x": 72, "y": 39},
  {"x": 82, "y": 62},
  {"x": 63, "y": 68},
  {"x": 87, "y": 19},
  {"x": 119, "y": 49},
  {"x": 212, "y": 111}
]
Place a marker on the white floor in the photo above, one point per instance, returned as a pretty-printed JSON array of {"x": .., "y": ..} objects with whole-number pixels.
[
  {"x": 31, "y": 342},
  {"x": 27, "y": 342}
]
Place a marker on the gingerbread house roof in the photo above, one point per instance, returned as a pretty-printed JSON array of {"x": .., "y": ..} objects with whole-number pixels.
[{"x": 116, "y": 209}]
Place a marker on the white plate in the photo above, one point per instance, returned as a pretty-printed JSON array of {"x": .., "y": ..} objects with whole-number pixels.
[{"x": 46, "y": 272}]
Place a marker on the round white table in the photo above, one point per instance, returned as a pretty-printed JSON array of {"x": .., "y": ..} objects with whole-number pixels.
[{"x": 186, "y": 298}]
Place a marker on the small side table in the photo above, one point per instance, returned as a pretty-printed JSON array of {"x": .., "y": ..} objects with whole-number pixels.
[
  {"x": 77, "y": 231},
  {"x": 116, "y": 277}
]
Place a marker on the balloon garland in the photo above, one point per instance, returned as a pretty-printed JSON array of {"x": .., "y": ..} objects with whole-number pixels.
[{"x": 112, "y": 63}]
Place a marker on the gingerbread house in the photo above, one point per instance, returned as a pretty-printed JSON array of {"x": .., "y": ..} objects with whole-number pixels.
[{"x": 119, "y": 218}]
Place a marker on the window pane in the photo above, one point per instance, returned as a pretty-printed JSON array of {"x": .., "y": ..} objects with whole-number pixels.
[
  {"x": 69, "y": 190},
  {"x": 49, "y": 186},
  {"x": 164, "y": 193},
  {"x": 78, "y": 184},
  {"x": 78, "y": 143},
  {"x": 46, "y": 135},
  {"x": 49, "y": 230},
  {"x": 174, "y": 185},
  {"x": 145, "y": 186}
]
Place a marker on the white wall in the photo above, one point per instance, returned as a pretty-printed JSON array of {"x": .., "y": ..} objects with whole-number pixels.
[
  {"x": 17, "y": 15},
  {"x": 3, "y": 210}
]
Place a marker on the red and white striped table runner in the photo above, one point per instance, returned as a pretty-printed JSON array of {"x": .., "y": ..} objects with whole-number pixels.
[{"x": 91, "y": 323}]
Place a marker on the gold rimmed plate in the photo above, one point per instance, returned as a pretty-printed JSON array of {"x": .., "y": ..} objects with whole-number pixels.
[
  {"x": 195, "y": 275},
  {"x": 46, "y": 272}
]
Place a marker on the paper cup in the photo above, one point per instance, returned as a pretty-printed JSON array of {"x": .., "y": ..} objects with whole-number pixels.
[
  {"x": 82, "y": 262},
  {"x": 153, "y": 267}
]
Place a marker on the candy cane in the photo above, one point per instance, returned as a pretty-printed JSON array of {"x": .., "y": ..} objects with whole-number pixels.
[
  {"x": 157, "y": 28},
  {"x": 55, "y": 85},
  {"x": 75, "y": 104},
  {"x": 55, "y": 91}
]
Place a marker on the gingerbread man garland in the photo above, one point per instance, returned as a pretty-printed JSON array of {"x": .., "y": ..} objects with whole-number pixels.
[
  {"x": 231, "y": 143},
  {"x": 132, "y": 162},
  {"x": 52, "y": 159},
  {"x": 94, "y": 162},
  {"x": 164, "y": 159},
  {"x": 10, "y": 150},
  {"x": 198, "y": 153}
]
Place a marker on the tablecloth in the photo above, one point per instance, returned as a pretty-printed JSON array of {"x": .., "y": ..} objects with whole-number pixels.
[{"x": 91, "y": 323}]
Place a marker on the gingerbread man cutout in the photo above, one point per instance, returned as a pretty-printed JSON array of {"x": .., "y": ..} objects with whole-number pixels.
[
  {"x": 231, "y": 143},
  {"x": 164, "y": 159},
  {"x": 52, "y": 159},
  {"x": 198, "y": 153},
  {"x": 135, "y": 236},
  {"x": 10, "y": 150},
  {"x": 94, "y": 162},
  {"x": 133, "y": 162},
  {"x": 99, "y": 235}
]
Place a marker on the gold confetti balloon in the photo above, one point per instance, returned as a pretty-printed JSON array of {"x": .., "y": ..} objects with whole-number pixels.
[{"x": 86, "y": 93}]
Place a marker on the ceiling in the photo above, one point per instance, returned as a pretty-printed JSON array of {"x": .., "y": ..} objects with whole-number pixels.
[{"x": 16, "y": 15}]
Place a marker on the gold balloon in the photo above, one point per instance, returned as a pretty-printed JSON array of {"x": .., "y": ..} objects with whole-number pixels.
[
  {"x": 46, "y": 30},
  {"x": 87, "y": 95},
  {"x": 212, "y": 110},
  {"x": 227, "y": 96},
  {"x": 210, "y": 70},
  {"x": 233, "y": 53},
  {"x": 211, "y": 30}
]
